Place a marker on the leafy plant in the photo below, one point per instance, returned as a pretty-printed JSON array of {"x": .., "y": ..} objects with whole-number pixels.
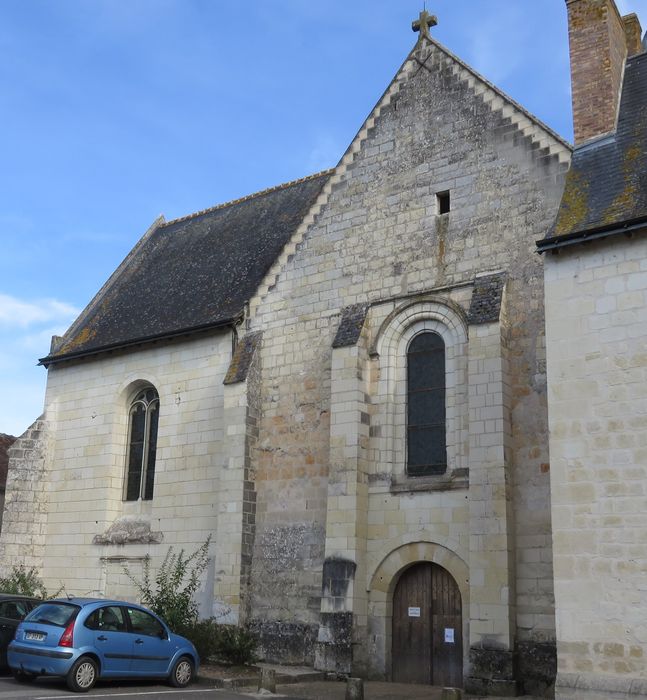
[
  {"x": 226, "y": 643},
  {"x": 23, "y": 581},
  {"x": 170, "y": 593},
  {"x": 236, "y": 645},
  {"x": 204, "y": 635}
]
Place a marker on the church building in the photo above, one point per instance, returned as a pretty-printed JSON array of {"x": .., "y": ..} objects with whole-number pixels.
[{"x": 343, "y": 381}]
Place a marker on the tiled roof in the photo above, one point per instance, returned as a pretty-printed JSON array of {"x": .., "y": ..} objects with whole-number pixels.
[
  {"x": 192, "y": 273},
  {"x": 485, "y": 305},
  {"x": 350, "y": 326},
  {"x": 242, "y": 358},
  {"x": 606, "y": 187}
]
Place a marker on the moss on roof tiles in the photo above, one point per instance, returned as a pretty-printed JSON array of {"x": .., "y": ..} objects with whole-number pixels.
[
  {"x": 574, "y": 205},
  {"x": 606, "y": 185}
]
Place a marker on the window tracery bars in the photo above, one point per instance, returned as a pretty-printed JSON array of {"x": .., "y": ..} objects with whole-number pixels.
[
  {"x": 142, "y": 446},
  {"x": 426, "y": 420}
]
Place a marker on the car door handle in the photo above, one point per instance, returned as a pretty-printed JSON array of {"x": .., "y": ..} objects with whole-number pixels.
[
  {"x": 139, "y": 641},
  {"x": 102, "y": 638}
]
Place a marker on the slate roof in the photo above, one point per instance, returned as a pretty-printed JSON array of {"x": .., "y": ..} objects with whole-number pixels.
[
  {"x": 350, "y": 326},
  {"x": 192, "y": 273},
  {"x": 242, "y": 358},
  {"x": 485, "y": 305},
  {"x": 606, "y": 186}
]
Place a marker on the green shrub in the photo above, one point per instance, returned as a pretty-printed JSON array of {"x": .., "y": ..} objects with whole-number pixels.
[
  {"x": 225, "y": 643},
  {"x": 170, "y": 594},
  {"x": 236, "y": 645},
  {"x": 204, "y": 635},
  {"x": 23, "y": 581}
]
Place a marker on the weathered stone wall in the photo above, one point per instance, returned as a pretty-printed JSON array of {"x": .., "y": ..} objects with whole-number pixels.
[
  {"x": 596, "y": 301},
  {"x": 26, "y": 496},
  {"x": 379, "y": 240},
  {"x": 66, "y": 482},
  {"x": 237, "y": 493}
]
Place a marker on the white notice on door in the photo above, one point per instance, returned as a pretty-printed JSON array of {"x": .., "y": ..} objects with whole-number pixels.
[
  {"x": 449, "y": 635},
  {"x": 414, "y": 612}
]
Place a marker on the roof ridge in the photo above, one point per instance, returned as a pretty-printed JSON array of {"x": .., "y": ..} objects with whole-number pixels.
[{"x": 231, "y": 202}]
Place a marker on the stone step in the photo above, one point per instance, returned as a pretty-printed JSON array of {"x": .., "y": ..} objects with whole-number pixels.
[{"x": 285, "y": 675}]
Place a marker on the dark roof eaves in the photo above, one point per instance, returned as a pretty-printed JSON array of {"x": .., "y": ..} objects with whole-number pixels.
[
  {"x": 586, "y": 235},
  {"x": 54, "y": 359}
]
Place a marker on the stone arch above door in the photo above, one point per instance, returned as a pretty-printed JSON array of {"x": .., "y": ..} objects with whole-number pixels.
[
  {"x": 384, "y": 577},
  {"x": 382, "y": 580}
]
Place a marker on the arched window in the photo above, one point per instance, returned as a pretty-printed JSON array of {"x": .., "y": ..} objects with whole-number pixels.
[
  {"x": 142, "y": 444},
  {"x": 426, "y": 429}
]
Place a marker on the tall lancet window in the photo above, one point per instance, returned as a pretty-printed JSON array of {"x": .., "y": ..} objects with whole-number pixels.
[
  {"x": 142, "y": 445},
  {"x": 426, "y": 429}
]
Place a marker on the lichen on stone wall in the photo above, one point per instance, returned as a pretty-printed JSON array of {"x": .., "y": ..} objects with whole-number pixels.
[{"x": 283, "y": 547}]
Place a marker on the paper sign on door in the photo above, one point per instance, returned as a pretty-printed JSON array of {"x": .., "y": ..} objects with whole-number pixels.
[
  {"x": 449, "y": 635},
  {"x": 414, "y": 612}
]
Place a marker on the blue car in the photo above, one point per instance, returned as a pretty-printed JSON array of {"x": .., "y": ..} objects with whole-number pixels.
[{"x": 84, "y": 639}]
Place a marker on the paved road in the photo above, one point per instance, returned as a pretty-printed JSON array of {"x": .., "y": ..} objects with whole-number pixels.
[{"x": 52, "y": 689}]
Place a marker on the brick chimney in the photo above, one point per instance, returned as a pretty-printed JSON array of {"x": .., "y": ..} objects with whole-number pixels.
[
  {"x": 633, "y": 34},
  {"x": 598, "y": 42}
]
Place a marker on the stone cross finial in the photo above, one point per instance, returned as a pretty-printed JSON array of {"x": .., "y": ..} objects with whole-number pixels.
[{"x": 424, "y": 23}]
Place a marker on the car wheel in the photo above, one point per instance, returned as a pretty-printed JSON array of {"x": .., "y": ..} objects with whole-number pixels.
[
  {"x": 83, "y": 675},
  {"x": 23, "y": 677},
  {"x": 182, "y": 673}
]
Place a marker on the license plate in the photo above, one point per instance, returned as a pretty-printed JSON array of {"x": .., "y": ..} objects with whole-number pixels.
[{"x": 34, "y": 636}]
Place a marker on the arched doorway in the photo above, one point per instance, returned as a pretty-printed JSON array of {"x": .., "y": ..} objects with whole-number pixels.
[{"x": 427, "y": 627}]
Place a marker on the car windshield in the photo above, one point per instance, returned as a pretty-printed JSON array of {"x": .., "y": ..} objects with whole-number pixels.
[{"x": 58, "y": 614}]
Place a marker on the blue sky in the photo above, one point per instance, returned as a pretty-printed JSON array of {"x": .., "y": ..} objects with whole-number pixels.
[{"x": 114, "y": 111}]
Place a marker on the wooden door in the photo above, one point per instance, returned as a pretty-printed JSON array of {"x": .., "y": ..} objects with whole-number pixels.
[{"x": 427, "y": 627}]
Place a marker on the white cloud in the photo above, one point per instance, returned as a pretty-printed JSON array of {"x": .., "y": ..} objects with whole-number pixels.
[
  {"x": 22, "y": 314},
  {"x": 26, "y": 328},
  {"x": 22, "y": 383}
]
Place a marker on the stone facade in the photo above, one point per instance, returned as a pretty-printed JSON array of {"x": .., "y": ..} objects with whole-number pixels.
[
  {"x": 289, "y": 445},
  {"x": 596, "y": 300},
  {"x": 67, "y": 472},
  {"x": 331, "y": 454},
  {"x": 595, "y": 291}
]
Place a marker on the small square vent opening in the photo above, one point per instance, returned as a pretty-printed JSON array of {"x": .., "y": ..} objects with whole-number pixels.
[{"x": 442, "y": 202}]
